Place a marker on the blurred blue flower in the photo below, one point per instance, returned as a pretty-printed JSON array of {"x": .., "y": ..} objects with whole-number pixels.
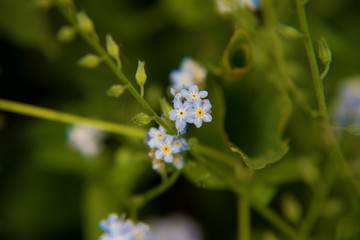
[
  {"x": 118, "y": 228},
  {"x": 189, "y": 73},
  {"x": 155, "y": 136},
  {"x": 347, "y": 106},
  {"x": 86, "y": 140}
]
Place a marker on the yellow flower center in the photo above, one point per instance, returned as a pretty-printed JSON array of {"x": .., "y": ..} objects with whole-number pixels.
[
  {"x": 166, "y": 149},
  {"x": 178, "y": 143},
  {"x": 194, "y": 96},
  {"x": 200, "y": 112},
  {"x": 160, "y": 135}
]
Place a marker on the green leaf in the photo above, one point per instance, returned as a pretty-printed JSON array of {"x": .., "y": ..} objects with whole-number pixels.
[
  {"x": 289, "y": 31},
  {"x": 201, "y": 177},
  {"x": 116, "y": 90},
  {"x": 271, "y": 110}
]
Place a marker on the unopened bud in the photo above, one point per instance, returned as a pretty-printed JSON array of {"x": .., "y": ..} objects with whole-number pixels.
[
  {"x": 66, "y": 34},
  {"x": 116, "y": 90},
  {"x": 289, "y": 31},
  {"x": 85, "y": 24},
  {"x": 111, "y": 47},
  {"x": 324, "y": 51},
  {"x": 89, "y": 61},
  {"x": 291, "y": 208},
  {"x": 142, "y": 119},
  {"x": 140, "y": 73}
]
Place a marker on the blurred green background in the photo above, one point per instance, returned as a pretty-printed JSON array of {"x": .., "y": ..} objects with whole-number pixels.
[{"x": 49, "y": 191}]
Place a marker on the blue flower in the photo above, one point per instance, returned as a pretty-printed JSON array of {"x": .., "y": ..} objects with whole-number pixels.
[
  {"x": 118, "y": 228},
  {"x": 197, "y": 71},
  {"x": 347, "y": 110},
  {"x": 155, "y": 136},
  {"x": 181, "y": 143},
  {"x": 181, "y": 115},
  {"x": 181, "y": 79},
  {"x": 86, "y": 140},
  {"x": 177, "y": 95},
  {"x": 166, "y": 149},
  {"x": 193, "y": 94},
  {"x": 201, "y": 112}
]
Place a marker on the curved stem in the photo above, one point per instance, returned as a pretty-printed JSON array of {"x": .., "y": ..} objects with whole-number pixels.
[
  {"x": 96, "y": 46},
  {"x": 278, "y": 54},
  {"x": 160, "y": 189},
  {"x": 57, "y": 116}
]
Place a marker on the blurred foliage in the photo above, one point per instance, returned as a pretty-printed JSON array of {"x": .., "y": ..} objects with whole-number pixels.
[{"x": 49, "y": 191}]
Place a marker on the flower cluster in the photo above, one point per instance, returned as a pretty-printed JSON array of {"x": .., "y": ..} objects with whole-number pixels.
[
  {"x": 87, "y": 140},
  {"x": 166, "y": 148},
  {"x": 190, "y": 107},
  {"x": 225, "y": 6},
  {"x": 118, "y": 228},
  {"x": 347, "y": 109},
  {"x": 189, "y": 73}
]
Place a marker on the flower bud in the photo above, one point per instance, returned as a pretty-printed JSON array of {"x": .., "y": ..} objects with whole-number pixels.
[
  {"x": 140, "y": 73},
  {"x": 291, "y": 208},
  {"x": 111, "y": 47},
  {"x": 89, "y": 61},
  {"x": 324, "y": 51},
  {"x": 289, "y": 32},
  {"x": 142, "y": 119},
  {"x": 66, "y": 34},
  {"x": 85, "y": 24},
  {"x": 116, "y": 91}
]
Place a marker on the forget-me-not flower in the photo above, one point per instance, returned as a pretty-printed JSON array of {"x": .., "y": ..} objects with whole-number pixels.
[
  {"x": 156, "y": 136},
  {"x": 118, "y": 228},
  {"x": 181, "y": 79},
  {"x": 181, "y": 115},
  {"x": 166, "y": 149},
  {"x": 193, "y": 94},
  {"x": 201, "y": 112}
]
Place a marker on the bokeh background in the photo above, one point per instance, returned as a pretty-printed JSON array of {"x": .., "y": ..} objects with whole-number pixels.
[{"x": 49, "y": 191}]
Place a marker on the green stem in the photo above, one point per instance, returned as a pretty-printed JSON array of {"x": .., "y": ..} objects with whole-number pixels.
[
  {"x": 271, "y": 23},
  {"x": 266, "y": 212},
  {"x": 139, "y": 200},
  {"x": 95, "y": 45},
  {"x": 309, "y": 47},
  {"x": 142, "y": 91},
  {"x": 163, "y": 187},
  {"x": 244, "y": 226},
  {"x": 57, "y": 116}
]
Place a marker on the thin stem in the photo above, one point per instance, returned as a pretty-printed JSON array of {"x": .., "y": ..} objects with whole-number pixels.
[
  {"x": 57, "y": 116},
  {"x": 271, "y": 23},
  {"x": 142, "y": 91},
  {"x": 244, "y": 225},
  {"x": 309, "y": 47},
  {"x": 163, "y": 187},
  {"x": 266, "y": 212},
  {"x": 139, "y": 200},
  {"x": 95, "y": 45}
]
